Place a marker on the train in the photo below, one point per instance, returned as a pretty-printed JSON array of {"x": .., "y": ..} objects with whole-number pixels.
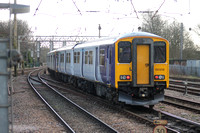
[{"x": 131, "y": 69}]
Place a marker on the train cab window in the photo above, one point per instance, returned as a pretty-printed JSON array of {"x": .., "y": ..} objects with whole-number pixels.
[
  {"x": 102, "y": 57},
  {"x": 159, "y": 52},
  {"x": 124, "y": 52}
]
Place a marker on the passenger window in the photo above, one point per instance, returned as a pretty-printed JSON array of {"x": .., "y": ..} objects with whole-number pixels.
[
  {"x": 86, "y": 57},
  {"x": 90, "y": 57},
  {"x": 62, "y": 58},
  {"x": 68, "y": 58},
  {"x": 110, "y": 59},
  {"x": 75, "y": 57},
  {"x": 102, "y": 57},
  {"x": 159, "y": 52},
  {"x": 124, "y": 52},
  {"x": 78, "y": 57}
]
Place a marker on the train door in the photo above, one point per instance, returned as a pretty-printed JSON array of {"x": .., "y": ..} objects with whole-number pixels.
[
  {"x": 96, "y": 64},
  {"x": 104, "y": 63},
  {"x": 64, "y": 61},
  {"x": 82, "y": 61},
  {"x": 142, "y": 62},
  {"x": 56, "y": 63},
  {"x": 59, "y": 61},
  {"x": 108, "y": 68}
]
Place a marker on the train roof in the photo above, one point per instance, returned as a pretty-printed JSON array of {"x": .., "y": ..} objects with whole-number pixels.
[
  {"x": 112, "y": 40},
  {"x": 61, "y": 49},
  {"x": 107, "y": 40},
  {"x": 137, "y": 34},
  {"x": 98, "y": 42}
]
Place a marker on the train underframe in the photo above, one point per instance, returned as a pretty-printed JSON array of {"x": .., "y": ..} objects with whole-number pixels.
[
  {"x": 125, "y": 94},
  {"x": 142, "y": 95}
]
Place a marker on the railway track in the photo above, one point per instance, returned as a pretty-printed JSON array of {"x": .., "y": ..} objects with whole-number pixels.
[
  {"x": 74, "y": 117},
  {"x": 185, "y": 86},
  {"x": 182, "y": 103},
  {"x": 175, "y": 123}
]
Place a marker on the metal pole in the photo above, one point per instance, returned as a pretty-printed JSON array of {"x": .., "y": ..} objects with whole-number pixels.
[
  {"x": 11, "y": 84},
  {"x": 64, "y": 43},
  {"x": 51, "y": 45},
  {"x": 99, "y": 30},
  {"x": 185, "y": 83},
  {"x": 38, "y": 53},
  {"x": 15, "y": 28},
  {"x": 3, "y": 87},
  {"x": 19, "y": 49}
]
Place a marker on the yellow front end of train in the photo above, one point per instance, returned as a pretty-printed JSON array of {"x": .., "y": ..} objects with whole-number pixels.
[{"x": 141, "y": 69}]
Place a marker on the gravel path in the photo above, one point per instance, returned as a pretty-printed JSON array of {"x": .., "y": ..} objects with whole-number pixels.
[{"x": 29, "y": 113}]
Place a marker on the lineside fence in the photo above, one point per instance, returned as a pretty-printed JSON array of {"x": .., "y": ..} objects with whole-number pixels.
[{"x": 184, "y": 70}]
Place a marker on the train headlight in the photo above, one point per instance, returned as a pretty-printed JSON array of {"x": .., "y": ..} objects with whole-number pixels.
[
  {"x": 159, "y": 77},
  {"x": 125, "y": 77}
]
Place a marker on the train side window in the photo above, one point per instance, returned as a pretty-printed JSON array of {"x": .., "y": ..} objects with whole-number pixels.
[
  {"x": 68, "y": 58},
  {"x": 159, "y": 52},
  {"x": 62, "y": 58},
  {"x": 75, "y": 57},
  {"x": 102, "y": 57},
  {"x": 86, "y": 57},
  {"x": 78, "y": 57},
  {"x": 90, "y": 57},
  {"x": 110, "y": 59},
  {"x": 124, "y": 52}
]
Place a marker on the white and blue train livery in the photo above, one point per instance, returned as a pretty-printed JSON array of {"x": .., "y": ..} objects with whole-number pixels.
[{"x": 133, "y": 68}]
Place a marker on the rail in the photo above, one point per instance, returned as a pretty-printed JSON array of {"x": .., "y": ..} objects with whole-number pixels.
[
  {"x": 63, "y": 121},
  {"x": 185, "y": 86}
]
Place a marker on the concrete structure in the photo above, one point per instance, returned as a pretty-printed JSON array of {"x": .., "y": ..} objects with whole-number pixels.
[{"x": 3, "y": 87}]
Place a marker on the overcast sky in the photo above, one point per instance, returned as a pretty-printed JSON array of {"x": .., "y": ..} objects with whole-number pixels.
[{"x": 82, "y": 17}]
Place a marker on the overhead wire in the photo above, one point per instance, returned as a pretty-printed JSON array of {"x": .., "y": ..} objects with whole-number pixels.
[
  {"x": 77, "y": 7},
  {"x": 134, "y": 8},
  {"x": 37, "y": 8},
  {"x": 157, "y": 10}
]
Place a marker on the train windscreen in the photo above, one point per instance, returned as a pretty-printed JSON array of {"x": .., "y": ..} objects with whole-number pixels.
[
  {"x": 124, "y": 52},
  {"x": 159, "y": 52}
]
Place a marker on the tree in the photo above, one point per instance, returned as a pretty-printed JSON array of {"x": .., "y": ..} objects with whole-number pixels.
[
  {"x": 4, "y": 29},
  {"x": 172, "y": 32},
  {"x": 22, "y": 29},
  {"x": 173, "y": 35},
  {"x": 153, "y": 24},
  {"x": 197, "y": 30}
]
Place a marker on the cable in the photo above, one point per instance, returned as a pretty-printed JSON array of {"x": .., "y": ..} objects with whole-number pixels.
[
  {"x": 37, "y": 8},
  {"x": 158, "y": 9},
  {"x": 77, "y": 7},
  {"x": 134, "y": 9}
]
